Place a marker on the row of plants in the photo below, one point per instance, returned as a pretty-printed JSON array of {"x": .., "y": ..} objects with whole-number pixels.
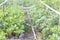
[
  {"x": 11, "y": 22},
  {"x": 52, "y": 30},
  {"x": 46, "y": 21}
]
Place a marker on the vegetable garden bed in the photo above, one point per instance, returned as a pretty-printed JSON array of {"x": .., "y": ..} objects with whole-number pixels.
[{"x": 19, "y": 20}]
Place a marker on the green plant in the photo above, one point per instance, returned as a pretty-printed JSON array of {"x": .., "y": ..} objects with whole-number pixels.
[
  {"x": 12, "y": 21},
  {"x": 2, "y": 35},
  {"x": 51, "y": 33}
]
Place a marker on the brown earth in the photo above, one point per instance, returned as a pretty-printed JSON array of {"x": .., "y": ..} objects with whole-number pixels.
[{"x": 29, "y": 36}]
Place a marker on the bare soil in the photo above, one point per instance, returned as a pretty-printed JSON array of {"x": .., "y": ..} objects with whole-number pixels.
[{"x": 29, "y": 36}]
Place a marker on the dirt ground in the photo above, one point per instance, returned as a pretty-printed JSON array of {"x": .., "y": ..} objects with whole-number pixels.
[
  {"x": 39, "y": 36},
  {"x": 29, "y": 36}
]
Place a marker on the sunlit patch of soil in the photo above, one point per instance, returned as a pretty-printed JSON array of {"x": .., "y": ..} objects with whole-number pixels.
[{"x": 39, "y": 35}]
